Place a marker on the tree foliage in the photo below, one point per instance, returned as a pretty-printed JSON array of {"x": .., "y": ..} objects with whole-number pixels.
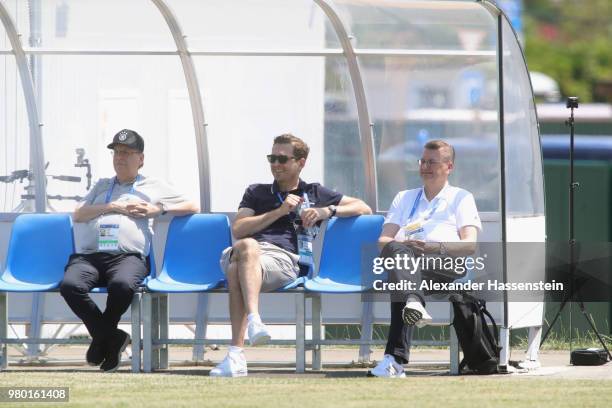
[{"x": 571, "y": 42}]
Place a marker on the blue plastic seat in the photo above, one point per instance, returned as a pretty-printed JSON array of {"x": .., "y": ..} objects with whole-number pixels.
[
  {"x": 38, "y": 251},
  {"x": 299, "y": 282},
  {"x": 349, "y": 246},
  {"x": 191, "y": 257}
]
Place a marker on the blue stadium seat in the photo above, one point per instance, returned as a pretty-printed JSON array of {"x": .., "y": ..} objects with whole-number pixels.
[
  {"x": 349, "y": 245},
  {"x": 191, "y": 258},
  {"x": 38, "y": 251},
  {"x": 293, "y": 285}
]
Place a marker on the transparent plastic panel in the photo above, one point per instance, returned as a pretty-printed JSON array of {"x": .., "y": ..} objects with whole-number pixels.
[
  {"x": 93, "y": 25},
  {"x": 524, "y": 180},
  {"x": 250, "y": 100},
  {"x": 251, "y": 25},
  {"x": 5, "y": 43},
  {"x": 416, "y": 99},
  {"x": 344, "y": 170},
  {"x": 418, "y": 25},
  {"x": 18, "y": 11},
  {"x": 88, "y": 99},
  {"x": 14, "y": 140}
]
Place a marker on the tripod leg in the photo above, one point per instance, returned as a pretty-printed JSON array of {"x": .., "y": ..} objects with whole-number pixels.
[
  {"x": 588, "y": 318},
  {"x": 567, "y": 297},
  {"x": 20, "y": 207}
]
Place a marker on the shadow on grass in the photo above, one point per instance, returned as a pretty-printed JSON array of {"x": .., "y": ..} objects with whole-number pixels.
[
  {"x": 253, "y": 373},
  {"x": 288, "y": 373}
]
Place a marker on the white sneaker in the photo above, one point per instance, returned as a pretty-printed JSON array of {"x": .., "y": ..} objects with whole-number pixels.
[
  {"x": 414, "y": 313},
  {"x": 234, "y": 365},
  {"x": 388, "y": 368},
  {"x": 258, "y": 333},
  {"x": 530, "y": 365}
]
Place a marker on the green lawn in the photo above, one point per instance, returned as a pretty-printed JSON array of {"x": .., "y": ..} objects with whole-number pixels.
[{"x": 183, "y": 388}]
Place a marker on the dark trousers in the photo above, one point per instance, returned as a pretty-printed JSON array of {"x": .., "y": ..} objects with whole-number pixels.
[
  {"x": 400, "y": 335},
  {"x": 120, "y": 273}
]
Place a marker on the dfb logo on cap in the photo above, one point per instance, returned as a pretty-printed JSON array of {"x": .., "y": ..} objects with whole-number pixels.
[{"x": 128, "y": 138}]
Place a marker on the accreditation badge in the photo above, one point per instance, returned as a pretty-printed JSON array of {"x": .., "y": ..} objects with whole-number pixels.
[
  {"x": 304, "y": 242},
  {"x": 414, "y": 230},
  {"x": 108, "y": 237}
]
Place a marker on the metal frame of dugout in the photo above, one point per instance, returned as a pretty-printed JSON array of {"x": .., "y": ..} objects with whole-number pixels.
[{"x": 515, "y": 210}]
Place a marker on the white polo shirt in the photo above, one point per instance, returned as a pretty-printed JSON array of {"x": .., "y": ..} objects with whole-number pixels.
[{"x": 453, "y": 208}]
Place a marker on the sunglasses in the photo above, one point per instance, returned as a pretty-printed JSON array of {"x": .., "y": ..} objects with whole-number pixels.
[
  {"x": 123, "y": 153},
  {"x": 282, "y": 159},
  {"x": 429, "y": 163}
]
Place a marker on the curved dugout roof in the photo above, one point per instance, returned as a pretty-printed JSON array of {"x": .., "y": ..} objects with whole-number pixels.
[{"x": 365, "y": 83}]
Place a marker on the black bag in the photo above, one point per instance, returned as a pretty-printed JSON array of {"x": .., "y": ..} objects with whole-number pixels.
[
  {"x": 480, "y": 343},
  {"x": 588, "y": 357}
]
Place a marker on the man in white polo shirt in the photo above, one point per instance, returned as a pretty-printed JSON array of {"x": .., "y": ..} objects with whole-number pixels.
[{"x": 434, "y": 220}]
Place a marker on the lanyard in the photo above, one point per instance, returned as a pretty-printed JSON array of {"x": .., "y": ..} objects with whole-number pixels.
[
  {"x": 416, "y": 204},
  {"x": 280, "y": 197},
  {"x": 109, "y": 193},
  {"x": 305, "y": 196}
]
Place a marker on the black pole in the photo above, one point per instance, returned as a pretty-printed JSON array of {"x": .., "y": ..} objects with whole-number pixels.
[
  {"x": 572, "y": 103},
  {"x": 574, "y": 286}
]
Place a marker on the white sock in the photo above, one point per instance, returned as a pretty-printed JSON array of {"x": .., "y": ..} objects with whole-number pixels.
[
  {"x": 413, "y": 298},
  {"x": 253, "y": 317},
  {"x": 395, "y": 363},
  {"x": 234, "y": 350}
]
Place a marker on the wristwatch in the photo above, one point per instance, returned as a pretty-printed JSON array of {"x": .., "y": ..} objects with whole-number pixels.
[
  {"x": 443, "y": 250},
  {"x": 332, "y": 209},
  {"x": 164, "y": 208}
]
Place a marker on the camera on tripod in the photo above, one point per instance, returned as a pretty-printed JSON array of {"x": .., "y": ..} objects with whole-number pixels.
[
  {"x": 572, "y": 102},
  {"x": 16, "y": 175},
  {"x": 28, "y": 196}
]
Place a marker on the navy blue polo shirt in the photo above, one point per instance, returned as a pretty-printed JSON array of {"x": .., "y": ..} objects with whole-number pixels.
[{"x": 263, "y": 198}]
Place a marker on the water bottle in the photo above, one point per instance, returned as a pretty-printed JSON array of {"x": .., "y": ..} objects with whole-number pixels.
[{"x": 305, "y": 237}]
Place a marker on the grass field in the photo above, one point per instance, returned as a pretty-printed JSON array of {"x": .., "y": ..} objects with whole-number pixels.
[{"x": 193, "y": 389}]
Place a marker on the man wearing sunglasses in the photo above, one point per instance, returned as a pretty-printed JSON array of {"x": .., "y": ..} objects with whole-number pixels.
[
  {"x": 113, "y": 245},
  {"x": 435, "y": 220},
  {"x": 265, "y": 256}
]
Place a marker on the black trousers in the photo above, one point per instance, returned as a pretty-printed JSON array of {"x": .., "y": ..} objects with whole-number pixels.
[
  {"x": 120, "y": 273},
  {"x": 400, "y": 335}
]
